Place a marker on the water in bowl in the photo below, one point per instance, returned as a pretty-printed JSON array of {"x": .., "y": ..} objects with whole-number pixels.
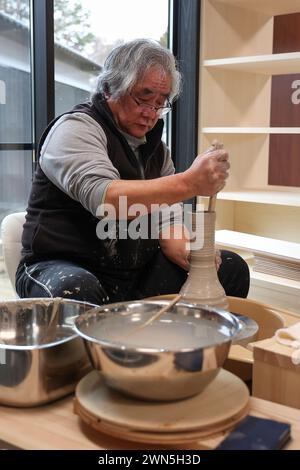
[{"x": 166, "y": 333}]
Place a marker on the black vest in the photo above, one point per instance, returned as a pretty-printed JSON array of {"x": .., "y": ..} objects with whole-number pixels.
[{"x": 57, "y": 227}]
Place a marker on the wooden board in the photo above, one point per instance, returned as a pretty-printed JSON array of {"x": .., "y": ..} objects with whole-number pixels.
[
  {"x": 173, "y": 438},
  {"x": 276, "y": 354},
  {"x": 222, "y": 404},
  {"x": 56, "y": 427},
  {"x": 284, "y": 163}
]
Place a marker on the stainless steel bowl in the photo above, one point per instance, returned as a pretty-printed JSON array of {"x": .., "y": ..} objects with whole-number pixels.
[
  {"x": 175, "y": 357},
  {"x": 41, "y": 356}
]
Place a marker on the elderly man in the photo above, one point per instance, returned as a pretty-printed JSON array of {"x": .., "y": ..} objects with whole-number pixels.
[{"x": 103, "y": 152}]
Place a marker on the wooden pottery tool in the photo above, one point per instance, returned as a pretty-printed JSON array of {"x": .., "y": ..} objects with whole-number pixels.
[
  {"x": 157, "y": 314},
  {"x": 212, "y": 200}
]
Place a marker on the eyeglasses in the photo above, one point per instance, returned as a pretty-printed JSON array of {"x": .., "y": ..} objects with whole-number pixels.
[{"x": 160, "y": 110}]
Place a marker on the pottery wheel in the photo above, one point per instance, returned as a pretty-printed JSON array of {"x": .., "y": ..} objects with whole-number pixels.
[{"x": 222, "y": 404}]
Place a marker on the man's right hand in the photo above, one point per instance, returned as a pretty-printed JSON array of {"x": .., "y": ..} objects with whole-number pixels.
[{"x": 208, "y": 173}]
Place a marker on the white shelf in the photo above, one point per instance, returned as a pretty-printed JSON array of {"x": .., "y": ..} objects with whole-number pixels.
[
  {"x": 275, "y": 280},
  {"x": 250, "y": 130},
  {"x": 269, "y": 7},
  {"x": 284, "y": 198},
  {"x": 270, "y": 64},
  {"x": 281, "y": 249},
  {"x": 276, "y": 291}
]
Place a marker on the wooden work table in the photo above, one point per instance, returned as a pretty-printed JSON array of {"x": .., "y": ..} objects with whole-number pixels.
[{"x": 56, "y": 427}]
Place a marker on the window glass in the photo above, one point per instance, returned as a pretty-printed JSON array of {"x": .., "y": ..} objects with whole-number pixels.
[
  {"x": 96, "y": 27},
  {"x": 85, "y": 32},
  {"x": 16, "y": 171},
  {"x": 15, "y": 106},
  {"x": 15, "y": 116}
]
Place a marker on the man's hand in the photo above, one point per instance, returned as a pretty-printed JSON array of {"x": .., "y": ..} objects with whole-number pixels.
[
  {"x": 208, "y": 173},
  {"x": 174, "y": 243}
]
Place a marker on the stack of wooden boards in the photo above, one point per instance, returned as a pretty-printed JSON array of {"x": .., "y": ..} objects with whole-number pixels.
[{"x": 271, "y": 256}]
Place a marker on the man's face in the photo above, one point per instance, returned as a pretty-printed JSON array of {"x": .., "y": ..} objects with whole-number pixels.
[{"x": 153, "y": 89}]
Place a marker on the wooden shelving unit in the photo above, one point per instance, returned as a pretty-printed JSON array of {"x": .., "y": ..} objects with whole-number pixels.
[
  {"x": 237, "y": 65},
  {"x": 251, "y": 130},
  {"x": 267, "y": 64},
  {"x": 269, "y": 7},
  {"x": 280, "y": 198}
]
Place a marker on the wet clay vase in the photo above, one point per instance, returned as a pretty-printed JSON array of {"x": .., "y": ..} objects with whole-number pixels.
[{"x": 202, "y": 285}]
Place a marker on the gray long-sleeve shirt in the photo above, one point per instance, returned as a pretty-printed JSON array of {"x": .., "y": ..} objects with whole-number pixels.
[{"x": 75, "y": 158}]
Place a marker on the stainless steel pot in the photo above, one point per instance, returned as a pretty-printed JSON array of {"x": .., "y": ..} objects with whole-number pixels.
[
  {"x": 173, "y": 358},
  {"x": 41, "y": 356}
]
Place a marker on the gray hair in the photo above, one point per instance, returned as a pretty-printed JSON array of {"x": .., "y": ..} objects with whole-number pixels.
[{"x": 127, "y": 64}]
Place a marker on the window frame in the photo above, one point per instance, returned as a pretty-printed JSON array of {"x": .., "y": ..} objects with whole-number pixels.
[
  {"x": 42, "y": 67},
  {"x": 185, "y": 36}
]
